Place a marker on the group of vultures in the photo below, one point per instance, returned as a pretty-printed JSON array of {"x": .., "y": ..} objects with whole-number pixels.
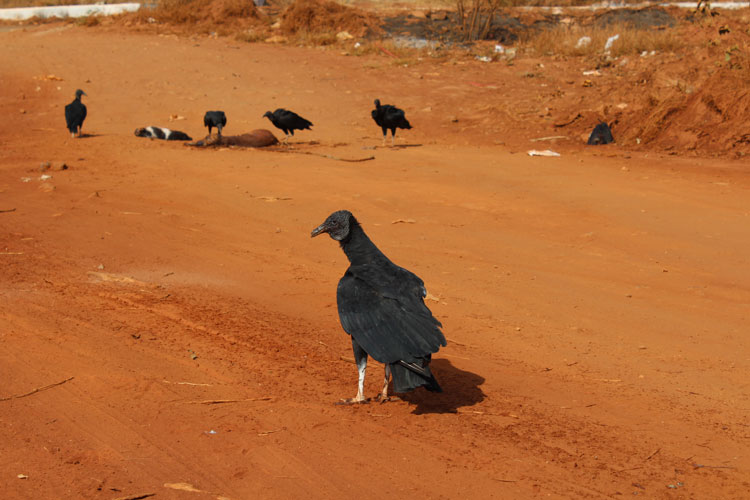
[
  {"x": 381, "y": 305},
  {"x": 386, "y": 116}
]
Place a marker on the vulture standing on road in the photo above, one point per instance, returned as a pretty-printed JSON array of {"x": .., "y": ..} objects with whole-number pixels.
[
  {"x": 381, "y": 305},
  {"x": 288, "y": 121},
  {"x": 389, "y": 118},
  {"x": 75, "y": 113},
  {"x": 214, "y": 119}
]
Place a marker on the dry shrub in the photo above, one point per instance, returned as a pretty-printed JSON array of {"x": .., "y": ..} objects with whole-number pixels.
[
  {"x": 206, "y": 14},
  {"x": 476, "y": 16},
  {"x": 563, "y": 40},
  {"x": 321, "y": 16}
]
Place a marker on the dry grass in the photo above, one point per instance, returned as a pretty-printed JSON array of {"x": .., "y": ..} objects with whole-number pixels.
[
  {"x": 563, "y": 40},
  {"x": 8, "y": 4}
]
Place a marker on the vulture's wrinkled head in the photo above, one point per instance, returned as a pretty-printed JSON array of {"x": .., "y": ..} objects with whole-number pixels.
[
  {"x": 337, "y": 225},
  {"x": 79, "y": 93}
]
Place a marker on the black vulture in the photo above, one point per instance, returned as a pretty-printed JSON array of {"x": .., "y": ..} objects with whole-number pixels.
[
  {"x": 214, "y": 119},
  {"x": 75, "y": 113},
  {"x": 381, "y": 305},
  {"x": 601, "y": 134},
  {"x": 389, "y": 118},
  {"x": 288, "y": 121}
]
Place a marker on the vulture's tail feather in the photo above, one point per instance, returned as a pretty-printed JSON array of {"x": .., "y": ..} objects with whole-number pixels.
[{"x": 409, "y": 376}]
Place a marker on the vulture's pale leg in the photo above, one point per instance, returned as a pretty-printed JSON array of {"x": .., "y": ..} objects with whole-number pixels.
[
  {"x": 385, "y": 136},
  {"x": 383, "y": 397},
  {"x": 360, "y": 357},
  {"x": 393, "y": 137},
  {"x": 73, "y": 135}
]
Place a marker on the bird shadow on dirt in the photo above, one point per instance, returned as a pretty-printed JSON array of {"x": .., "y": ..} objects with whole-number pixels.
[{"x": 460, "y": 388}]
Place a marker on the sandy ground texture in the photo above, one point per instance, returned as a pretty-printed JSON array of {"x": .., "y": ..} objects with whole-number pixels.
[{"x": 596, "y": 304}]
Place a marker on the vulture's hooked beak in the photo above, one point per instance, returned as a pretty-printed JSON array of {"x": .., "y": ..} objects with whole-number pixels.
[{"x": 323, "y": 228}]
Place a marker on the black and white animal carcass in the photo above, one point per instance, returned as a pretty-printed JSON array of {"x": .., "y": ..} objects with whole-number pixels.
[{"x": 162, "y": 133}]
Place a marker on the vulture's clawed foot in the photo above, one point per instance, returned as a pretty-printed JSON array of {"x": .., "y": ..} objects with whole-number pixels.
[
  {"x": 354, "y": 401},
  {"x": 385, "y": 399}
]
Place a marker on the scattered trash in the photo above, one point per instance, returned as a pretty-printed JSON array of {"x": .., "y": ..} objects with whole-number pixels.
[
  {"x": 499, "y": 49},
  {"x": 45, "y": 166},
  {"x": 182, "y": 487},
  {"x": 546, "y": 152},
  {"x": 211, "y": 432},
  {"x": 276, "y": 39},
  {"x": 601, "y": 134},
  {"x": 609, "y": 43},
  {"x": 357, "y": 45},
  {"x": 22, "y": 476},
  {"x": 151, "y": 20},
  {"x": 193, "y": 356},
  {"x": 594, "y": 72},
  {"x": 100, "y": 266},
  {"x": 723, "y": 30},
  {"x": 584, "y": 41},
  {"x": 484, "y": 58},
  {"x": 272, "y": 199},
  {"x": 549, "y": 138},
  {"x": 52, "y": 78},
  {"x": 173, "y": 118},
  {"x": 44, "y": 177},
  {"x": 588, "y": 83},
  {"x": 343, "y": 35},
  {"x": 403, "y": 221},
  {"x": 25, "y": 179}
]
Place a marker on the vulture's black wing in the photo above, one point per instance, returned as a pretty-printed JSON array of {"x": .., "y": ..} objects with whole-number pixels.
[
  {"x": 292, "y": 120},
  {"x": 396, "y": 117},
  {"x": 382, "y": 307}
]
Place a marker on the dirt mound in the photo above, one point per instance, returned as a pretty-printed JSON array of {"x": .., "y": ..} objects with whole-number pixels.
[
  {"x": 709, "y": 119},
  {"x": 315, "y": 16},
  {"x": 202, "y": 15}
]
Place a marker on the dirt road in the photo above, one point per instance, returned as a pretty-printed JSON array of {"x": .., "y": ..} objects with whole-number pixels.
[{"x": 596, "y": 304}]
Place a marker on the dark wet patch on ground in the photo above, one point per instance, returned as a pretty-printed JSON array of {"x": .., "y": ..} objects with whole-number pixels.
[{"x": 445, "y": 27}]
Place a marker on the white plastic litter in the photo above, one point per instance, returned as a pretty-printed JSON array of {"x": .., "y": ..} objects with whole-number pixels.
[
  {"x": 610, "y": 41},
  {"x": 499, "y": 49},
  {"x": 583, "y": 41},
  {"x": 546, "y": 152}
]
